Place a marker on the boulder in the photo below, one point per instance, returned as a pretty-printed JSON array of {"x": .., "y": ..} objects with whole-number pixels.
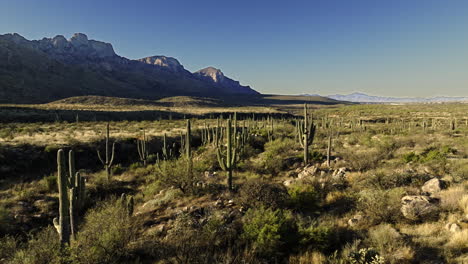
[
  {"x": 453, "y": 227},
  {"x": 419, "y": 207},
  {"x": 433, "y": 186},
  {"x": 308, "y": 171},
  {"x": 339, "y": 173}
]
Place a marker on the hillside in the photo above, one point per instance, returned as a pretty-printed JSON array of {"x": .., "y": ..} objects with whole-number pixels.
[{"x": 44, "y": 70}]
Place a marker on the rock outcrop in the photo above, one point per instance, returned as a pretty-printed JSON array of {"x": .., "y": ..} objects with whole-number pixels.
[
  {"x": 217, "y": 77},
  {"x": 39, "y": 71},
  {"x": 419, "y": 207}
]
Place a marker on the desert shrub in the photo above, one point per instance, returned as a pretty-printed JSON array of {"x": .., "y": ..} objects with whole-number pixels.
[
  {"x": 6, "y": 221},
  {"x": 105, "y": 235},
  {"x": 410, "y": 157},
  {"x": 195, "y": 240},
  {"x": 314, "y": 237},
  {"x": 206, "y": 160},
  {"x": 272, "y": 160},
  {"x": 308, "y": 257},
  {"x": 385, "y": 180},
  {"x": 433, "y": 157},
  {"x": 256, "y": 193},
  {"x": 265, "y": 230},
  {"x": 303, "y": 198},
  {"x": 117, "y": 169},
  {"x": 49, "y": 183},
  {"x": 458, "y": 242},
  {"x": 43, "y": 248},
  {"x": 365, "y": 256},
  {"x": 381, "y": 205},
  {"x": 451, "y": 198},
  {"x": 175, "y": 173},
  {"x": 8, "y": 246},
  {"x": 362, "y": 160},
  {"x": 390, "y": 244},
  {"x": 459, "y": 171}
]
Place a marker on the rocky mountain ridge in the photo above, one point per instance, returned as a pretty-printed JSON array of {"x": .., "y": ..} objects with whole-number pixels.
[{"x": 36, "y": 71}]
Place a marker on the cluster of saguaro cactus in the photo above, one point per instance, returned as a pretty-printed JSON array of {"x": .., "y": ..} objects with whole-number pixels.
[
  {"x": 329, "y": 148},
  {"x": 72, "y": 193},
  {"x": 109, "y": 158},
  {"x": 206, "y": 135},
  {"x": 229, "y": 157},
  {"x": 127, "y": 202},
  {"x": 306, "y": 133},
  {"x": 142, "y": 148},
  {"x": 167, "y": 152},
  {"x": 186, "y": 147},
  {"x": 270, "y": 129}
]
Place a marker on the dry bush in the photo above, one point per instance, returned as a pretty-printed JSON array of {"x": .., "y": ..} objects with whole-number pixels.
[
  {"x": 308, "y": 257},
  {"x": 390, "y": 244},
  {"x": 458, "y": 241},
  {"x": 381, "y": 205},
  {"x": 451, "y": 198},
  {"x": 255, "y": 193}
]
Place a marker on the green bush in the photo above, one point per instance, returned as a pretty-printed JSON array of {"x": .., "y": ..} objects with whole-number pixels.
[
  {"x": 255, "y": 193},
  {"x": 105, "y": 235},
  {"x": 273, "y": 159},
  {"x": 381, "y": 205},
  {"x": 49, "y": 183},
  {"x": 315, "y": 237},
  {"x": 6, "y": 221},
  {"x": 303, "y": 198},
  {"x": 8, "y": 246},
  {"x": 43, "y": 248},
  {"x": 265, "y": 229},
  {"x": 175, "y": 173}
]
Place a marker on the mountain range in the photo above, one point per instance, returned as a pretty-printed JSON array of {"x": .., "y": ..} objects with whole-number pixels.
[
  {"x": 38, "y": 71},
  {"x": 364, "y": 98}
]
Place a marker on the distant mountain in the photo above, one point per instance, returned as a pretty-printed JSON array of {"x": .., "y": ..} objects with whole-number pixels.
[
  {"x": 217, "y": 78},
  {"x": 364, "y": 98},
  {"x": 49, "y": 69}
]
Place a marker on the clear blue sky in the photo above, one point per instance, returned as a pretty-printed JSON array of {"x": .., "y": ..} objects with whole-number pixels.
[{"x": 383, "y": 47}]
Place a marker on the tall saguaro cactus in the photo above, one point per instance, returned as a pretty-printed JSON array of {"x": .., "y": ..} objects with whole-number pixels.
[
  {"x": 71, "y": 196},
  {"x": 142, "y": 149},
  {"x": 306, "y": 129},
  {"x": 62, "y": 224},
  {"x": 228, "y": 160},
  {"x": 107, "y": 163}
]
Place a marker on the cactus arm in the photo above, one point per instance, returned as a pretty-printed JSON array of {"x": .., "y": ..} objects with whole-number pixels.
[
  {"x": 112, "y": 156},
  {"x": 100, "y": 158}
]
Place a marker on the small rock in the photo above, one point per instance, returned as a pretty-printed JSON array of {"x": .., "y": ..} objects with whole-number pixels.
[
  {"x": 433, "y": 186},
  {"x": 355, "y": 220},
  {"x": 417, "y": 207},
  {"x": 308, "y": 171},
  {"x": 453, "y": 227},
  {"x": 339, "y": 173},
  {"x": 288, "y": 182}
]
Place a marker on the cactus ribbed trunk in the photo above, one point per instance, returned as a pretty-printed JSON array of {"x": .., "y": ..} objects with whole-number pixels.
[
  {"x": 63, "y": 226},
  {"x": 229, "y": 155}
]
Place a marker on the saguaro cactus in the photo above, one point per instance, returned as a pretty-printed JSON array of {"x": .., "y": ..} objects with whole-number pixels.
[
  {"x": 71, "y": 196},
  {"x": 306, "y": 130},
  {"x": 229, "y": 160},
  {"x": 330, "y": 135},
  {"x": 62, "y": 224},
  {"x": 142, "y": 149},
  {"x": 107, "y": 163}
]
